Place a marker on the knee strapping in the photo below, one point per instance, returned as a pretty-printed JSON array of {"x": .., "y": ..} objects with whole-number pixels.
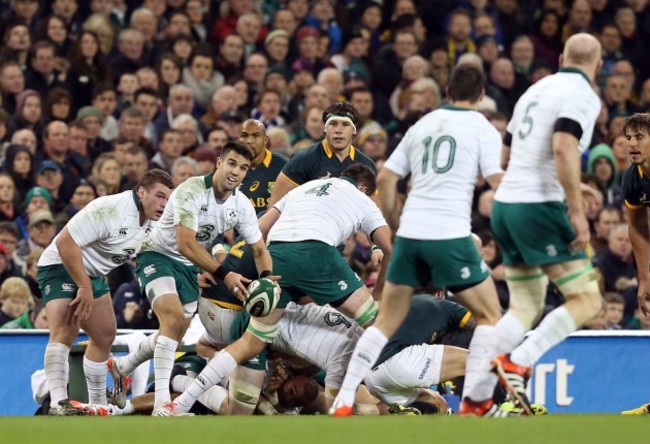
[
  {"x": 366, "y": 312},
  {"x": 580, "y": 278},
  {"x": 527, "y": 293},
  {"x": 263, "y": 332},
  {"x": 243, "y": 392}
]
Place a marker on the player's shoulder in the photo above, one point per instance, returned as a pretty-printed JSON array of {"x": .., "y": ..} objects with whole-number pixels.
[
  {"x": 631, "y": 176},
  {"x": 196, "y": 184},
  {"x": 278, "y": 159},
  {"x": 363, "y": 158},
  {"x": 311, "y": 152}
]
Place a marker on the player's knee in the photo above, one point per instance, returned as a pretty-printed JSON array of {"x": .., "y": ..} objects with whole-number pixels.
[
  {"x": 578, "y": 279},
  {"x": 174, "y": 324},
  {"x": 527, "y": 293},
  {"x": 592, "y": 304},
  {"x": 366, "y": 312}
]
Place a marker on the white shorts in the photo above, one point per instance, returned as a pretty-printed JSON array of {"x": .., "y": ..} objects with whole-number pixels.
[
  {"x": 400, "y": 378},
  {"x": 167, "y": 285},
  {"x": 217, "y": 322}
]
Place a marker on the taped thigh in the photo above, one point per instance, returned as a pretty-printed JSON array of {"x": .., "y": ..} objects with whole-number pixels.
[
  {"x": 527, "y": 289},
  {"x": 579, "y": 278}
]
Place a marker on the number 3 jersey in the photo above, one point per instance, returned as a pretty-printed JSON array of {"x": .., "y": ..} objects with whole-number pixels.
[
  {"x": 444, "y": 151},
  {"x": 193, "y": 205},
  {"x": 107, "y": 230},
  {"x": 531, "y": 175}
]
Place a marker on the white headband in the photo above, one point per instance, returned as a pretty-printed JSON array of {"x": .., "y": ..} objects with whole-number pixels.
[{"x": 341, "y": 118}]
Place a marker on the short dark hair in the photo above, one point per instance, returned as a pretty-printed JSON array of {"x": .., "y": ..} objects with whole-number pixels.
[
  {"x": 101, "y": 88},
  {"x": 77, "y": 124},
  {"x": 136, "y": 150},
  {"x": 363, "y": 175},
  {"x": 639, "y": 122},
  {"x": 9, "y": 227},
  {"x": 358, "y": 89},
  {"x": 613, "y": 298},
  {"x": 342, "y": 109},
  {"x": 239, "y": 148},
  {"x": 607, "y": 209},
  {"x": 144, "y": 91},
  {"x": 466, "y": 83},
  {"x": 154, "y": 176},
  {"x": 168, "y": 131}
]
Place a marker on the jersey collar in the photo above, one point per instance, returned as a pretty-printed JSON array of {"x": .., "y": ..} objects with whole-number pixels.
[
  {"x": 329, "y": 153},
  {"x": 450, "y": 107},
  {"x": 348, "y": 179},
  {"x": 207, "y": 181},
  {"x": 267, "y": 158},
  {"x": 576, "y": 71},
  {"x": 136, "y": 199}
]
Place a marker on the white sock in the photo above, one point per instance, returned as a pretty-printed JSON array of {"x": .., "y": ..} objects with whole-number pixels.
[
  {"x": 363, "y": 358},
  {"x": 215, "y": 371},
  {"x": 163, "y": 361},
  {"x": 213, "y": 398},
  {"x": 56, "y": 371},
  {"x": 556, "y": 326},
  {"x": 508, "y": 333},
  {"x": 96, "y": 381},
  {"x": 127, "y": 410},
  {"x": 180, "y": 383},
  {"x": 479, "y": 379},
  {"x": 145, "y": 351}
]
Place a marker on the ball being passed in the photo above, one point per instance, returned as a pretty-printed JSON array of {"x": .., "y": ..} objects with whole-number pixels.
[{"x": 263, "y": 297}]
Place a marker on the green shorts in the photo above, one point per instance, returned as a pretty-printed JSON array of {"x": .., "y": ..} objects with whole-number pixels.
[
  {"x": 312, "y": 268},
  {"x": 151, "y": 266},
  {"x": 533, "y": 233},
  {"x": 450, "y": 263},
  {"x": 191, "y": 363},
  {"x": 55, "y": 283}
]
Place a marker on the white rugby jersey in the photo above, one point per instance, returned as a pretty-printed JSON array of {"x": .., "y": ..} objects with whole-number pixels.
[
  {"x": 531, "y": 175},
  {"x": 193, "y": 205},
  {"x": 318, "y": 335},
  {"x": 444, "y": 152},
  {"x": 108, "y": 231},
  {"x": 326, "y": 210}
]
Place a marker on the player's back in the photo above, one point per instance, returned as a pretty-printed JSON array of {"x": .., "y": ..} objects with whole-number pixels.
[
  {"x": 444, "y": 152},
  {"x": 531, "y": 173}
]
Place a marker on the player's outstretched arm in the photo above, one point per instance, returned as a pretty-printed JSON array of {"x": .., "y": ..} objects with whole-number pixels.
[
  {"x": 387, "y": 191},
  {"x": 639, "y": 234},
  {"x": 281, "y": 187}
]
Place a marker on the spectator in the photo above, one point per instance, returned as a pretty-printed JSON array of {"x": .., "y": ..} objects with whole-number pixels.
[
  {"x": 617, "y": 93},
  {"x": 321, "y": 16},
  {"x": 146, "y": 100},
  {"x": 230, "y": 60},
  {"x": 387, "y": 71},
  {"x": 126, "y": 88},
  {"x": 180, "y": 102},
  {"x": 9, "y": 235},
  {"x": 8, "y": 210},
  {"x": 58, "y": 106},
  {"x": 249, "y": 28},
  {"x": 88, "y": 67},
  {"x": 276, "y": 47},
  {"x": 284, "y": 20},
  {"x": 602, "y": 165},
  {"x": 579, "y": 19},
  {"x": 206, "y": 158},
  {"x": 606, "y": 219},
  {"x": 15, "y": 297},
  {"x": 170, "y": 71},
  {"x": 56, "y": 147},
  {"x": 170, "y": 148},
  {"x": 191, "y": 137},
  {"x": 268, "y": 109},
  {"x": 459, "y": 32},
  {"x": 184, "y": 168},
  {"x": 41, "y": 230},
  {"x": 17, "y": 43},
  {"x": 373, "y": 141},
  {"x": 82, "y": 196},
  {"x": 19, "y": 164},
  {"x": 29, "y": 112},
  {"x": 107, "y": 169},
  {"x": 224, "y": 99},
  {"x": 42, "y": 75},
  {"x": 134, "y": 167},
  {"x": 201, "y": 77},
  {"x": 49, "y": 176},
  {"x": 104, "y": 98},
  {"x": 12, "y": 83},
  {"x": 615, "y": 307},
  {"x": 130, "y": 52},
  {"x": 92, "y": 119},
  {"x": 615, "y": 265},
  {"x": 313, "y": 127},
  {"x": 37, "y": 198},
  {"x": 547, "y": 38},
  {"x": 53, "y": 29}
]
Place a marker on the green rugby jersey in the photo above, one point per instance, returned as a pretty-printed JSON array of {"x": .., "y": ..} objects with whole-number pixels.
[
  {"x": 258, "y": 183},
  {"x": 636, "y": 188}
]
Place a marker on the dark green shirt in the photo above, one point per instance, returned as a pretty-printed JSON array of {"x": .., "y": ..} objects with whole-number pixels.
[
  {"x": 318, "y": 161},
  {"x": 636, "y": 188},
  {"x": 427, "y": 320},
  {"x": 258, "y": 183},
  {"x": 241, "y": 260}
]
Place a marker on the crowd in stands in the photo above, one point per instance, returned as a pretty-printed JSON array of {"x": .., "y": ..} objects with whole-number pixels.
[{"x": 94, "y": 93}]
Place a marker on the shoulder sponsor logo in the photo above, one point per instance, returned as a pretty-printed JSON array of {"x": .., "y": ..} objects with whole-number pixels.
[
  {"x": 149, "y": 270},
  {"x": 255, "y": 185},
  {"x": 68, "y": 288},
  {"x": 333, "y": 319},
  {"x": 204, "y": 232},
  {"x": 121, "y": 258},
  {"x": 231, "y": 215}
]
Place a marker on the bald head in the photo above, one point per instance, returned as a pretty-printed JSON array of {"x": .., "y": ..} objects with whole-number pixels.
[{"x": 582, "y": 50}]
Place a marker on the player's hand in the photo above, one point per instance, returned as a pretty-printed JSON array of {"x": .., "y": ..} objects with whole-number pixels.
[
  {"x": 376, "y": 257},
  {"x": 131, "y": 310},
  {"x": 581, "y": 227},
  {"x": 238, "y": 285},
  {"x": 83, "y": 302},
  {"x": 206, "y": 280},
  {"x": 643, "y": 296}
]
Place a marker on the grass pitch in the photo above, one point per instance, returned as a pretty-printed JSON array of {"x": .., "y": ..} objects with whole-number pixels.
[{"x": 574, "y": 429}]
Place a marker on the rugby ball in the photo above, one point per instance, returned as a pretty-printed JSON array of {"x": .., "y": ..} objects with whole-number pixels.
[{"x": 263, "y": 297}]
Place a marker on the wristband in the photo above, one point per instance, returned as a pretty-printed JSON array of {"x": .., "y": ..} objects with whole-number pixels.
[
  {"x": 374, "y": 248},
  {"x": 265, "y": 273},
  {"x": 220, "y": 273}
]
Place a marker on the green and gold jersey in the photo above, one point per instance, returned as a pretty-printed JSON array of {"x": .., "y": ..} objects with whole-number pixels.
[
  {"x": 259, "y": 182},
  {"x": 427, "y": 320},
  {"x": 241, "y": 260},
  {"x": 319, "y": 162},
  {"x": 636, "y": 188}
]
